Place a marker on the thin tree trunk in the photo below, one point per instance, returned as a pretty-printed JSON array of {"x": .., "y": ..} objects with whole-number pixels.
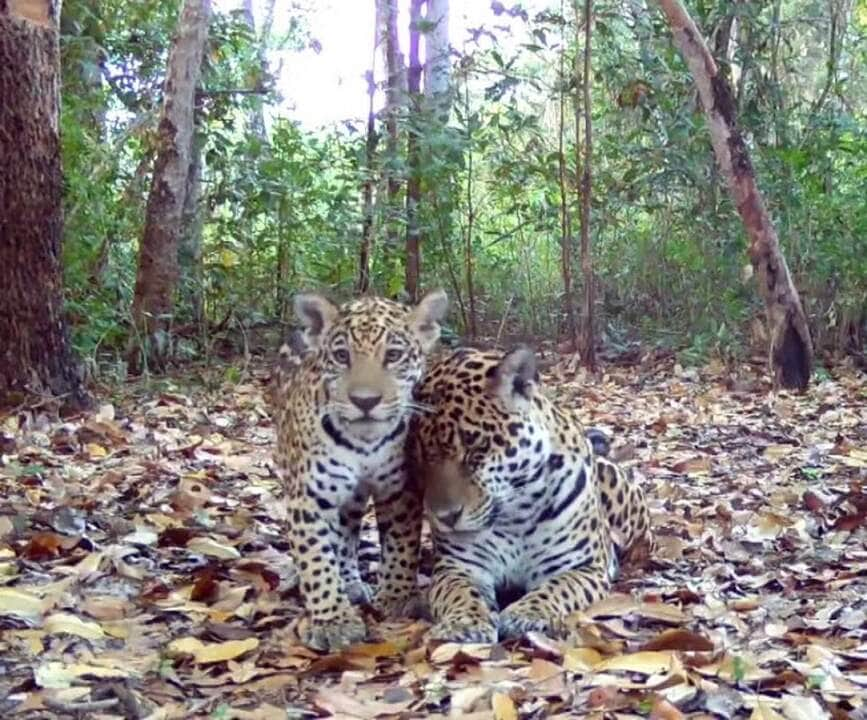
[
  {"x": 437, "y": 65},
  {"x": 367, "y": 191},
  {"x": 413, "y": 185},
  {"x": 35, "y": 352},
  {"x": 395, "y": 96},
  {"x": 256, "y": 114},
  {"x": 588, "y": 330},
  {"x": 471, "y": 217},
  {"x": 157, "y": 277},
  {"x": 565, "y": 224},
  {"x": 790, "y": 355}
]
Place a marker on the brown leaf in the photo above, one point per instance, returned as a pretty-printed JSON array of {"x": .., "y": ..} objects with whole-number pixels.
[
  {"x": 679, "y": 639},
  {"x": 47, "y": 546}
]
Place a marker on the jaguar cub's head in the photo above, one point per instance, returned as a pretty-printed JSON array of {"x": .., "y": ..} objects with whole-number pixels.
[
  {"x": 484, "y": 442},
  {"x": 370, "y": 353}
]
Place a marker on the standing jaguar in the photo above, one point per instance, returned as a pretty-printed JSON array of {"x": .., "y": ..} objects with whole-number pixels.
[
  {"x": 341, "y": 413},
  {"x": 517, "y": 499}
]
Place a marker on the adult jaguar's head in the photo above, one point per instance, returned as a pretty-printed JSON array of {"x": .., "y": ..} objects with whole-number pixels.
[
  {"x": 370, "y": 353},
  {"x": 486, "y": 441}
]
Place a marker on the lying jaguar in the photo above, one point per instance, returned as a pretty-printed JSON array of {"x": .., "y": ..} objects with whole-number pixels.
[
  {"x": 516, "y": 498},
  {"x": 342, "y": 407}
]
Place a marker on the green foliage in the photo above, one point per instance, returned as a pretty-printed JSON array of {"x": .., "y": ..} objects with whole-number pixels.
[{"x": 283, "y": 211}]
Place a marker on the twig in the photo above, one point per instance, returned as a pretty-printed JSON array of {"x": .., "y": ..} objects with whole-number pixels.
[{"x": 75, "y": 708}]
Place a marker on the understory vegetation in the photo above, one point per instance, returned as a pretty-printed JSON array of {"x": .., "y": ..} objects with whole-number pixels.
[{"x": 281, "y": 209}]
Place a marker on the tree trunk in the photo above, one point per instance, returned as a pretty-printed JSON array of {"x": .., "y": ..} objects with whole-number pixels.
[
  {"x": 437, "y": 66},
  {"x": 157, "y": 277},
  {"x": 790, "y": 354},
  {"x": 587, "y": 345},
  {"x": 192, "y": 228},
  {"x": 256, "y": 114},
  {"x": 395, "y": 95},
  {"x": 367, "y": 192},
  {"x": 565, "y": 222},
  {"x": 413, "y": 185},
  {"x": 35, "y": 353}
]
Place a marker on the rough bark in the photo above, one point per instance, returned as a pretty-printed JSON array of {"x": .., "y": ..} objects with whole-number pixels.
[
  {"x": 587, "y": 344},
  {"x": 192, "y": 228},
  {"x": 790, "y": 354},
  {"x": 395, "y": 97},
  {"x": 157, "y": 277},
  {"x": 35, "y": 353},
  {"x": 413, "y": 185}
]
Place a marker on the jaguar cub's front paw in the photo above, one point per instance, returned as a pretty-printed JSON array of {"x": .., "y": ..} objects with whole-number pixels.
[
  {"x": 359, "y": 592},
  {"x": 517, "y": 620},
  {"x": 465, "y": 630},
  {"x": 412, "y": 604},
  {"x": 335, "y": 633}
]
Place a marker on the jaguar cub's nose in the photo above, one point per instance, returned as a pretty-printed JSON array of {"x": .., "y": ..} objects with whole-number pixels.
[
  {"x": 450, "y": 517},
  {"x": 365, "y": 402}
]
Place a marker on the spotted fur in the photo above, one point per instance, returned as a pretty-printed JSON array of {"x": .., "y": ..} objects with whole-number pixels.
[
  {"x": 517, "y": 499},
  {"x": 342, "y": 411}
]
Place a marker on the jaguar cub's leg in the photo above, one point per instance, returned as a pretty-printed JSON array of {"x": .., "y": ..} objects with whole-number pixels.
[
  {"x": 399, "y": 518},
  {"x": 623, "y": 504},
  {"x": 545, "y": 608},
  {"x": 461, "y": 606},
  {"x": 349, "y": 529},
  {"x": 334, "y": 621}
]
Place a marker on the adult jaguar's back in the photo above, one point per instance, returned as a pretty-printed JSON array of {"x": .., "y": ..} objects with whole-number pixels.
[
  {"x": 341, "y": 412},
  {"x": 516, "y": 499}
]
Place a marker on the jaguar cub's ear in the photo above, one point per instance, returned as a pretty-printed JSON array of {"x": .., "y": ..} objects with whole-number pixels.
[
  {"x": 317, "y": 314},
  {"x": 425, "y": 318},
  {"x": 514, "y": 380}
]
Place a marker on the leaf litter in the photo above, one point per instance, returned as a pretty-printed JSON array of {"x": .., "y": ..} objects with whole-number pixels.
[{"x": 144, "y": 570}]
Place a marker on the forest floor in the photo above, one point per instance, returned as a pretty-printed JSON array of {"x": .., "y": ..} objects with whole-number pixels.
[{"x": 143, "y": 571}]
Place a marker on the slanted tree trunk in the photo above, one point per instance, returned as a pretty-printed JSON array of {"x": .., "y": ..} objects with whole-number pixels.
[
  {"x": 790, "y": 355},
  {"x": 395, "y": 97},
  {"x": 413, "y": 185},
  {"x": 157, "y": 277},
  {"x": 35, "y": 353},
  {"x": 587, "y": 343}
]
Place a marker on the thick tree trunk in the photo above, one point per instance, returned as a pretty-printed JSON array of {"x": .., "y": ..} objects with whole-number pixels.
[
  {"x": 35, "y": 354},
  {"x": 413, "y": 185},
  {"x": 157, "y": 278},
  {"x": 587, "y": 345},
  {"x": 395, "y": 97},
  {"x": 790, "y": 355},
  {"x": 192, "y": 228}
]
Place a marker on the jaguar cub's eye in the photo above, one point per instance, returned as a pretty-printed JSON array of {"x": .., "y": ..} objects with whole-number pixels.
[
  {"x": 341, "y": 355},
  {"x": 392, "y": 355}
]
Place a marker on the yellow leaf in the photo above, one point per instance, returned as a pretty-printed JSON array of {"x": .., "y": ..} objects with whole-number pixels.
[
  {"x": 207, "y": 546},
  {"x": 73, "y": 625},
  {"x": 95, "y": 451},
  {"x": 649, "y": 662},
  {"x": 503, "y": 707},
  {"x": 581, "y": 659},
  {"x": 59, "y": 675},
  {"x": 228, "y": 258},
  {"x": 775, "y": 452},
  {"x": 19, "y": 603},
  {"x": 763, "y": 712},
  {"x": 212, "y": 652}
]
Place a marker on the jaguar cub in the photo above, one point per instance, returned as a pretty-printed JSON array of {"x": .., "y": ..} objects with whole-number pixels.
[
  {"x": 517, "y": 499},
  {"x": 341, "y": 412}
]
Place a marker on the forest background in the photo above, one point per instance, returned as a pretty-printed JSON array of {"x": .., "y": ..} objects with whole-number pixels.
[{"x": 472, "y": 178}]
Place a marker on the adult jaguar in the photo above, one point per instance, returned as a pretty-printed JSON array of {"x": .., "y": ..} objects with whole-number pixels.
[
  {"x": 341, "y": 413},
  {"x": 517, "y": 499}
]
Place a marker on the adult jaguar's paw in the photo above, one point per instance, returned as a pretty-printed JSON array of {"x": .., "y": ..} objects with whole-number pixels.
[
  {"x": 518, "y": 619},
  {"x": 337, "y": 632},
  {"x": 465, "y": 630}
]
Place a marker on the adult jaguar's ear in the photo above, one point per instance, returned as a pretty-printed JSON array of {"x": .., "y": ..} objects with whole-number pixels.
[
  {"x": 425, "y": 318},
  {"x": 316, "y": 314},
  {"x": 514, "y": 380}
]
